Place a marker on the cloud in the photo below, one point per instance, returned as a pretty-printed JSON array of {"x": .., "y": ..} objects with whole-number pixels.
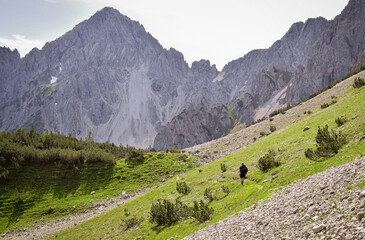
[{"x": 21, "y": 43}]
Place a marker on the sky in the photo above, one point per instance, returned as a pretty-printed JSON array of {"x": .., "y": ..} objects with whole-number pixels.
[{"x": 217, "y": 30}]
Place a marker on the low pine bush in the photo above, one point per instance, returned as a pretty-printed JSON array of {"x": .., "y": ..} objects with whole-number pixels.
[
  {"x": 340, "y": 121},
  {"x": 174, "y": 150},
  {"x": 268, "y": 161},
  {"x": 165, "y": 212},
  {"x": 272, "y": 128},
  {"x": 201, "y": 211},
  {"x": 131, "y": 222},
  {"x": 223, "y": 167},
  {"x": 358, "y": 82},
  {"x": 208, "y": 194},
  {"x": 263, "y": 134},
  {"x": 326, "y": 105},
  {"x": 182, "y": 187},
  {"x": 226, "y": 189},
  {"x": 328, "y": 144}
]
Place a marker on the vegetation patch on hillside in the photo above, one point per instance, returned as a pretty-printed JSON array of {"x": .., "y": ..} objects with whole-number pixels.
[{"x": 48, "y": 176}]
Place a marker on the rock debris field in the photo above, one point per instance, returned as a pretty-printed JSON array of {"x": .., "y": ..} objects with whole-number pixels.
[{"x": 327, "y": 205}]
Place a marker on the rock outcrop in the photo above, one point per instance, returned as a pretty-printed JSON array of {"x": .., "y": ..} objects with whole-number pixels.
[
  {"x": 197, "y": 124},
  {"x": 360, "y": 64}
]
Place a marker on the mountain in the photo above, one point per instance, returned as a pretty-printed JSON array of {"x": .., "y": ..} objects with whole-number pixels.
[
  {"x": 310, "y": 56},
  {"x": 108, "y": 76},
  {"x": 111, "y": 77},
  {"x": 196, "y": 124}
]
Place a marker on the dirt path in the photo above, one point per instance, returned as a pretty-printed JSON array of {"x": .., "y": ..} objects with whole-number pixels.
[{"x": 50, "y": 228}]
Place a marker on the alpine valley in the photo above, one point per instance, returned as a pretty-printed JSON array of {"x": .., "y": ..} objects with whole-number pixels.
[{"x": 108, "y": 75}]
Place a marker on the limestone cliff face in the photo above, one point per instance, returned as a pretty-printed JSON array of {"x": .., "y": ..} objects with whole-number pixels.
[
  {"x": 359, "y": 64},
  {"x": 195, "y": 125},
  {"x": 109, "y": 76}
]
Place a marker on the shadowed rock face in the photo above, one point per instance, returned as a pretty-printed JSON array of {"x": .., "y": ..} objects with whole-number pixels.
[
  {"x": 111, "y": 77},
  {"x": 195, "y": 125}
]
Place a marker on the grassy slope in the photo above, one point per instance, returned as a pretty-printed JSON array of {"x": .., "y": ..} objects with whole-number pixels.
[
  {"x": 32, "y": 190},
  {"x": 290, "y": 141}
]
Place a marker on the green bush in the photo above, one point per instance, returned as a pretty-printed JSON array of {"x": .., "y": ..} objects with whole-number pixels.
[
  {"x": 340, "y": 121},
  {"x": 131, "y": 222},
  {"x": 268, "y": 161},
  {"x": 358, "y": 82},
  {"x": 223, "y": 167},
  {"x": 263, "y": 134},
  {"x": 272, "y": 128},
  {"x": 174, "y": 150},
  {"x": 182, "y": 187},
  {"x": 208, "y": 194},
  {"x": 226, "y": 189},
  {"x": 326, "y": 105},
  {"x": 201, "y": 211},
  {"x": 165, "y": 212},
  {"x": 328, "y": 144},
  {"x": 21, "y": 147}
]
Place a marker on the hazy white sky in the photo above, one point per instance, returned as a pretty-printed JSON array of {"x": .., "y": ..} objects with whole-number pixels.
[{"x": 218, "y": 30}]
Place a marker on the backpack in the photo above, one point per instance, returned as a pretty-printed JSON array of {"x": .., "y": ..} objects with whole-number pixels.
[{"x": 243, "y": 169}]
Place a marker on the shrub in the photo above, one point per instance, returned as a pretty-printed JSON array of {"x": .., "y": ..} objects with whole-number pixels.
[
  {"x": 358, "y": 82},
  {"x": 325, "y": 105},
  {"x": 19, "y": 196},
  {"x": 272, "y": 128},
  {"x": 268, "y": 161},
  {"x": 208, "y": 194},
  {"x": 165, "y": 212},
  {"x": 131, "y": 222},
  {"x": 309, "y": 112},
  {"x": 182, "y": 187},
  {"x": 262, "y": 134},
  {"x": 226, "y": 189},
  {"x": 328, "y": 144},
  {"x": 174, "y": 150},
  {"x": 281, "y": 110},
  {"x": 340, "y": 121},
  {"x": 135, "y": 155},
  {"x": 201, "y": 211},
  {"x": 223, "y": 167}
]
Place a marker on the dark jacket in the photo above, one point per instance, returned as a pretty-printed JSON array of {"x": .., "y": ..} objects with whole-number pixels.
[{"x": 243, "y": 170}]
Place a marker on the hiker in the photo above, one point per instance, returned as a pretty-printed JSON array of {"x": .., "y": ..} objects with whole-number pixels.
[{"x": 243, "y": 172}]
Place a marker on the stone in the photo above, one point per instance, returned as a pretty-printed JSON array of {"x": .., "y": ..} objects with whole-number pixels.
[
  {"x": 318, "y": 228},
  {"x": 92, "y": 193},
  {"x": 360, "y": 216},
  {"x": 306, "y": 128},
  {"x": 362, "y": 194}
]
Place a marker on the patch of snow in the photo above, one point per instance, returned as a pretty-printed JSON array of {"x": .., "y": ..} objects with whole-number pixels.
[
  {"x": 53, "y": 79},
  {"x": 60, "y": 68}
]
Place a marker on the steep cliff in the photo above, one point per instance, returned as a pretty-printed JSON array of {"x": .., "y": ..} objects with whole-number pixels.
[{"x": 197, "y": 124}]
